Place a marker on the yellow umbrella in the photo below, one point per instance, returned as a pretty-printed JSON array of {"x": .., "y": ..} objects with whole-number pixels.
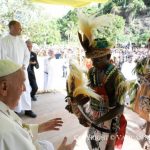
[{"x": 73, "y": 3}]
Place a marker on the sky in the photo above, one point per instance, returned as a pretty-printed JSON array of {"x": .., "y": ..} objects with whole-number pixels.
[{"x": 56, "y": 10}]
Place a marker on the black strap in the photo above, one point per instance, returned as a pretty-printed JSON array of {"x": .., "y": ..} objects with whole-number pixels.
[
  {"x": 68, "y": 96},
  {"x": 101, "y": 129}
]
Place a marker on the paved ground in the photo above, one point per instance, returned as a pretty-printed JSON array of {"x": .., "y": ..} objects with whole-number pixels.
[{"x": 52, "y": 105}]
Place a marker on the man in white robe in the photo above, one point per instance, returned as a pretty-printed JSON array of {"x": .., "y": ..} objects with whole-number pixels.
[
  {"x": 14, "y": 48},
  {"x": 127, "y": 70},
  {"x": 14, "y": 135}
]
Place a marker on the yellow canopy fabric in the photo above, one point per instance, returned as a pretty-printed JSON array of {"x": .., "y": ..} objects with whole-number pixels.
[{"x": 73, "y": 3}]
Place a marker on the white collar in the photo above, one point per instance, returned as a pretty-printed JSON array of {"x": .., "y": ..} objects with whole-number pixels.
[{"x": 10, "y": 113}]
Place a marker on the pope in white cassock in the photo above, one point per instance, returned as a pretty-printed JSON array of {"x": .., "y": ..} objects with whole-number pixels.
[
  {"x": 14, "y": 48},
  {"x": 14, "y": 135}
]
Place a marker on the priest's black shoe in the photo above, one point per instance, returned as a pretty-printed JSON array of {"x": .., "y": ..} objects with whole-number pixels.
[
  {"x": 33, "y": 98},
  {"x": 30, "y": 113}
]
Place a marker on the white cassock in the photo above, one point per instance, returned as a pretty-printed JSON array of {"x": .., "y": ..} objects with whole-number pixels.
[
  {"x": 54, "y": 73},
  {"x": 127, "y": 70},
  {"x": 51, "y": 67},
  {"x": 15, "y": 49},
  {"x": 14, "y": 135}
]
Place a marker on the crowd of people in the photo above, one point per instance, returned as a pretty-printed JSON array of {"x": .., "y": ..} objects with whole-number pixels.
[
  {"x": 54, "y": 64},
  {"x": 53, "y": 72}
]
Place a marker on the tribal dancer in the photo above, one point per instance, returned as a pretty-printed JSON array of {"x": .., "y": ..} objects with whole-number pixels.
[
  {"x": 104, "y": 114},
  {"x": 141, "y": 102}
]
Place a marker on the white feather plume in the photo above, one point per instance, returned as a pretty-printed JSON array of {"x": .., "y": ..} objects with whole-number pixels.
[{"x": 88, "y": 23}]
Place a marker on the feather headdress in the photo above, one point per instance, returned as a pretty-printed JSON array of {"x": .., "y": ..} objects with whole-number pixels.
[
  {"x": 77, "y": 83},
  {"x": 76, "y": 77},
  {"x": 93, "y": 46}
]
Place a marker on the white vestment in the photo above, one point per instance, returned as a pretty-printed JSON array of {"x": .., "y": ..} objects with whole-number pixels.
[
  {"x": 127, "y": 70},
  {"x": 14, "y": 135},
  {"x": 52, "y": 73},
  {"x": 15, "y": 49}
]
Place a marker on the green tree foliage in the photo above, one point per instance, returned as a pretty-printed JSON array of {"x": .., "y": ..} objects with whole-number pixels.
[
  {"x": 92, "y": 9},
  {"x": 44, "y": 31},
  {"x": 140, "y": 38},
  {"x": 38, "y": 27},
  {"x": 132, "y": 11},
  {"x": 14, "y": 10},
  {"x": 147, "y": 3},
  {"x": 135, "y": 6},
  {"x": 115, "y": 31},
  {"x": 108, "y": 7},
  {"x": 68, "y": 26}
]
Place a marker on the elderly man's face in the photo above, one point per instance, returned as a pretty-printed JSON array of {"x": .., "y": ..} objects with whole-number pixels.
[
  {"x": 15, "y": 88},
  {"x": 29, "y": 45}
]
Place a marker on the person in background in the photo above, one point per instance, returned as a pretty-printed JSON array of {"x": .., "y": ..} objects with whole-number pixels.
[
  {"x": 52, "y": 71},
  {"x": 14, "y": 135},
  {"x": 141, "y": 100},
  {"x": 127, "y": 69},
  {"x": 12, "y": 47},
  {"x": 33, "y": 63},
  {"x": 64, "y": 68}
]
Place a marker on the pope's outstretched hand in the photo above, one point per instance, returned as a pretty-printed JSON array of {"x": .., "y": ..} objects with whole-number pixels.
[{"x": 53, "y": 124}]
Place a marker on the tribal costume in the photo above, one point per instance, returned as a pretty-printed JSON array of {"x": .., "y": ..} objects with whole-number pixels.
[
  {"x": 141, "y": 90},
  {"x": 140, "y": 93},
  {"x": 141, "y": 103},
  {"x": 112, "y": 82},
  {"x": 100, "y": 110}
]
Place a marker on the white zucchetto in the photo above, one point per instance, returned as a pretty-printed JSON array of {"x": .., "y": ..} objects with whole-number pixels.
[{"x": 8, "y": 67}]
